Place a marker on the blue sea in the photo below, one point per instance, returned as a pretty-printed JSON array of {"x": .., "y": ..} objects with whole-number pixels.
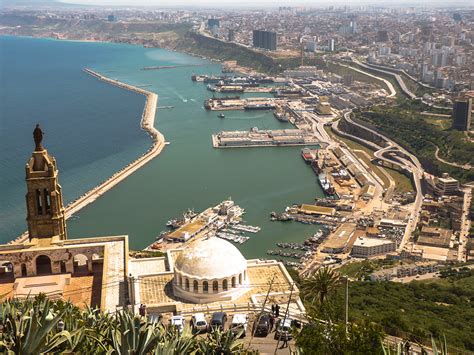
[{"x": 92, "y": 129}]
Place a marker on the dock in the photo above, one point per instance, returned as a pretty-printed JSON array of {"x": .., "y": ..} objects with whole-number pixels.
[
  {"x": 262, "y": 138},
  {"x": 251, "y": 103}
]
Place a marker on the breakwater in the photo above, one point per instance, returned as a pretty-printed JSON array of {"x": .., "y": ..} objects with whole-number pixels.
[{"x": 146, "y": 123}]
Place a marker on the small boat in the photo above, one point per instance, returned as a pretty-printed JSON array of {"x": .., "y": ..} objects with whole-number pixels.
[{"x": 221, "y": 115}]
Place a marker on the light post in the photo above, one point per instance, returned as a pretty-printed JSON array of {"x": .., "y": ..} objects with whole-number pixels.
[{"x": 346, "y": 317}]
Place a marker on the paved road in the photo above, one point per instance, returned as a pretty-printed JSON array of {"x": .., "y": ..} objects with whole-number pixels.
[
  {"x": 465, "y": 225},
  {"x": 461, "y": 166},
  {"x": 413, "y": 165},
  {"x": 397, "y": 77}
]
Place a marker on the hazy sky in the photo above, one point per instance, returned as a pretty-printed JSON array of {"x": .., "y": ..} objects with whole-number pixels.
[{"x": 255, "y": 3}]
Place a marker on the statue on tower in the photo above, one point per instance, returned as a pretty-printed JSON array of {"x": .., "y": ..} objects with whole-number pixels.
[{"x": 38, "y": 137}]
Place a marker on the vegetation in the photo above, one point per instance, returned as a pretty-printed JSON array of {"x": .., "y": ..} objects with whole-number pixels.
[
  {"x": 408, "y": 128},
  {"x": 417, "y": 310},
  {"x": 39, "y": 325},
  {"x": 332, "y": 338},
  {"x": 327, "y": 332},
  {"x": 361, "y": 270}
]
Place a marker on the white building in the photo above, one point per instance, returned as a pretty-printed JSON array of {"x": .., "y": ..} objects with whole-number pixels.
[{"x": 368, "y": 247}]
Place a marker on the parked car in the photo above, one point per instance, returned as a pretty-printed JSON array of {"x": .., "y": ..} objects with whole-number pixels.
[
  {"x": 155, "y": 318},
  {"x": 199, "y": 323},
  {"x": 283, "y": 329},
  {"x": 178, "y": 322},
  {"x": 218, "y": 320},
  {"x": 239, "y": 324},
  {"x": 261, "y": 327}
]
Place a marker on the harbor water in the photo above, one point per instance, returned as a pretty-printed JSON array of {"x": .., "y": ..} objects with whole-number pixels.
[{"x": 93, "y": 130}]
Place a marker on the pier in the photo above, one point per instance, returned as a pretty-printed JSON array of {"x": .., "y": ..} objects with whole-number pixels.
[
  {"x": 236, "y": 103},
  {"x": 262, "y": 138},
  {"x": 146, "y": 123}
]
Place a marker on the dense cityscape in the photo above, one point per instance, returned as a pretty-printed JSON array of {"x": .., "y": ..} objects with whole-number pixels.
[{"x": 377, "y": 102}]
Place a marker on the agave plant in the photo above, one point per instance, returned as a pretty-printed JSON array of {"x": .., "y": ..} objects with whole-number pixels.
[
  {"x": 31, "y": 328},
  {"x": 171, "y": 342},
  {"x": 219, "y": 342},
  {"x": 38, "y": 325},
  {"x": 133, "y": 335}
]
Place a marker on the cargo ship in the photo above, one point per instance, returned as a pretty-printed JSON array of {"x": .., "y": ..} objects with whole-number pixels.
[
  {"x": 326, "y": 185},
  {"x": 316, "y": 168},
  {"x": 259, "y": 106},
  {"x": 307, "y": 155},
  {"x": 280, "y": 116}
]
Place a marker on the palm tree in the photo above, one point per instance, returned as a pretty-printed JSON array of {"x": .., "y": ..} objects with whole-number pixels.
[{"x": 317, "y": 287}]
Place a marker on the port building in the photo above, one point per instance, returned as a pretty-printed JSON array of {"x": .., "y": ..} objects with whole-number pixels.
[
  {"x": 368, "y": 247},
  {"x": 339, "y": 240},
  {"x": 317, "y": 210}
]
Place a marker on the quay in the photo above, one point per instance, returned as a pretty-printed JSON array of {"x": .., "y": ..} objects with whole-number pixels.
[
  {"x": 213, "y": 221},
  {"x": 146, "y": 123},
  {"x": 262, "y": 138},
  {"x": 252, "y": 103}
]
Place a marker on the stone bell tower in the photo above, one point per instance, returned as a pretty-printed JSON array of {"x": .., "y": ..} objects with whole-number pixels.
[{"x": 44, "y": 199}]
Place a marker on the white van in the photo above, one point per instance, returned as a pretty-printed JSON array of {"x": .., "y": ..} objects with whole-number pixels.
[
  {"x": 239, "y": 324},
  {"x": 178, "y": 322},
  {"x": 199, "y": 323}
]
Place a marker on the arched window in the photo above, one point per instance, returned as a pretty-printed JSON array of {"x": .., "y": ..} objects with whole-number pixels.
[
  {"x": 224, "y": 285},
  {"x": 195, "y": 286},
  {"x": 43, "y": 265},
  {"x": 186, "y": 284},
  {"x": 24, "y": 272},
  {"x": 215, "y": 286},
  {"x": 240, "y": 279},
  {"x": 205, "y": 287},
  {"x": 233, "y": 281}
]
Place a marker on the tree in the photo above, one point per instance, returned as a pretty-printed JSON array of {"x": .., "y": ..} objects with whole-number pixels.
[
  {"x": 320, "y": 285},
  {"x": 332, "y": 338}
]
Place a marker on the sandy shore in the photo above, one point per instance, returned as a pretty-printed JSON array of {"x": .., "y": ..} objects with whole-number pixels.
[{"x": 147, "y": 124}]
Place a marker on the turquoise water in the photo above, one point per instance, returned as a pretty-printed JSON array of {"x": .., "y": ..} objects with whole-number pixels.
[{"x": 188, "y": 174}]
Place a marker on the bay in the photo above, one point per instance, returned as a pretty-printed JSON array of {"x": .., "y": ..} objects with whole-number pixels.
[{"x": 101, "y": 134}]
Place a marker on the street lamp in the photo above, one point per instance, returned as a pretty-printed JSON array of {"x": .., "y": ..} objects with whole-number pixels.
[{"x": 346, "y": 317}]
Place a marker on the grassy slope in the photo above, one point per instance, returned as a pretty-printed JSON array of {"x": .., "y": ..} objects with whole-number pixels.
[
  {"x": 407, "y": 127},
  {"x": 419, "y": 308}
]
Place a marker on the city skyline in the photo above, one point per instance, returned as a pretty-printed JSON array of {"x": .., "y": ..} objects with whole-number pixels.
[{"x": 265, "y": 3}]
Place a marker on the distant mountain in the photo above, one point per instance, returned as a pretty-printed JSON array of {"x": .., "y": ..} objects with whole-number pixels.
[{"x": 32, "y": 3}]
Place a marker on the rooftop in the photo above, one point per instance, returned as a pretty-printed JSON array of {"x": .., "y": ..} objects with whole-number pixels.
[{"x": 371, "y": 242}]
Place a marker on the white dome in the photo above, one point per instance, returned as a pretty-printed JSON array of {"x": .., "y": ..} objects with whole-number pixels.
[{"x": 210, "y": 258}]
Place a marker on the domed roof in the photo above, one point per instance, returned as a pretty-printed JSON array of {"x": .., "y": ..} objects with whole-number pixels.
[{"x": 210, "y": 258}]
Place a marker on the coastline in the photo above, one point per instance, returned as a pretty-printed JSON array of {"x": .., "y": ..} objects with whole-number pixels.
[{"x": 146, "y": 123}]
